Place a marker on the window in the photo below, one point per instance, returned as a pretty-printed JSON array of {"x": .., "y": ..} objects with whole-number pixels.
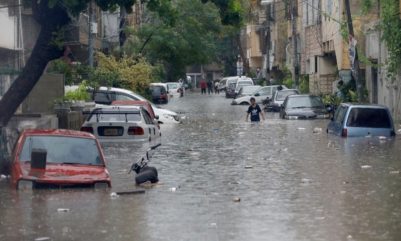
[
  {"x": 62, "y": 149},
  {"x": 146, "y": 116},
  {"x": 115, "y": 117},
  {"x": 340, "y": 114},
  {"x": 369, "y": 117},
  {"x": 103, "y": 97}
]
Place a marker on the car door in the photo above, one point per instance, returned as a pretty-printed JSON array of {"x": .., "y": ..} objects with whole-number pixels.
[{"x": 263, "y": 94}]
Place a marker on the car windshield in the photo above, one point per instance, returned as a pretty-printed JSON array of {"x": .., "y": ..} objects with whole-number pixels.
[
  {"x": 281, "y": 95},
  {"x": 172, "y": 86},
  {"x": 369, "y": 117},
  {"x": 157, "y": 90},
  {"x": 61, "y": 149},
  {"x": 304, "y": 102}
]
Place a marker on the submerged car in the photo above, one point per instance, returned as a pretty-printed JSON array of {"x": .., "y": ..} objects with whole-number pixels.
[
  {"x": 175, "y": 88},
  {"x": 274, "y": 103},
  {"x": 159, "y": 93},
  {"x": 106, "y": 95},
  {"x": 122, "y": 123},
  {"x": 58, "y": 158},
  {"x": 353, "y": 120},
  {"x": 303, "y": 107},
  {"x": 259, "y": 94}
]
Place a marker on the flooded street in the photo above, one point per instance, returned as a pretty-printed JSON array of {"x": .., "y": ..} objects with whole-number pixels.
[{"x": 222, "y": 178}]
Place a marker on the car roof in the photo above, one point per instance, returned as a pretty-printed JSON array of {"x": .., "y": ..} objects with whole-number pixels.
[
  {"x": 57, "y": 132},
  {"x": 364, "y": 105},
  {"x": 104, "y": 88},
  {"x": 283, "y": 90},
  {"x": 304, "y": 95}
]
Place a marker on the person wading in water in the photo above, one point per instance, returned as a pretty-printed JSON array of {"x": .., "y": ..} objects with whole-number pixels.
[{"x": 254, "y": 111}]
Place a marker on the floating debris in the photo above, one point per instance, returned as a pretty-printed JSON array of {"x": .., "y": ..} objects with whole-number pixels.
[
  {"x": 63, "y": 210},
  {"x": 317, "y": 130},
  {"x": 306, "y": 180},
  {"x": 382, "y": 138},
  {"x": 366, "y": 166},
  {"x": 136, "y": 191},
  {"x": 173, "y": 189},
  {"x": 395, "y": 172},
  {"x": 237, "y": 199},
  {"x": 42, "y": 239},
  {"x": 113, "y": 195},
  {"x": 248, "y": 167},
  {"x": 301, "y": 128}
]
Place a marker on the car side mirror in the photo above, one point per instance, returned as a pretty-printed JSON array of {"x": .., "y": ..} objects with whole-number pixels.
[{"x": 257, "y": 94}]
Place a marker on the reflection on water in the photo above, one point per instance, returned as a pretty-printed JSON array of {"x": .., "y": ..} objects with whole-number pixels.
[{"x": 293, "y": 184}]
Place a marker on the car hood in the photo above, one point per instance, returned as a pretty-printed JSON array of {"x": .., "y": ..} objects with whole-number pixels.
[
  {"x": 160, "y": 111},
  {"x": 242, "y": 98},
  {"x": 306, "y": 112},
  {"x": 65, "y": 173}
]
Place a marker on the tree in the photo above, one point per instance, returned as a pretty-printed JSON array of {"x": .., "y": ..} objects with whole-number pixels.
[
  {"x": 190, "y": 40},
  {"x": 53, "y": 16}
]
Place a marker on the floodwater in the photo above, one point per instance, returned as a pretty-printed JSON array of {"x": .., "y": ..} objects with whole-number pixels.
[{"x": 222, "y": 178}]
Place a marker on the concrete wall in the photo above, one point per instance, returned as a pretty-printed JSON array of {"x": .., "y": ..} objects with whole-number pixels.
[{"x": 41, "y": 98}]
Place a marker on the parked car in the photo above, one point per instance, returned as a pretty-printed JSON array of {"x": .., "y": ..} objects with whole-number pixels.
[
  {"x": 227, "y": 81},
  {"x": 174, "y": 88},
  {"x": 248, "y": 90},
  {"x": 353, "y": 120},
  {"x": 259, "y": 94},
  {"x": 122, "y": 123},
  {"x": 159, "y": 94},
  {"x": 58, "y": 158},
  {"x": 230, "y": 91},
  {"x": 274, "y": 104},
  {"x": 241, "y": 82},
  {"x": 106, "y": 95},
  {"x": 144, "y": 104},
  {"x": 303, "y": 107}
]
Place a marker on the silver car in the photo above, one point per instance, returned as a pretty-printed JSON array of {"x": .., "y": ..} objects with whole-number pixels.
[{"x": 353, "y": 120}]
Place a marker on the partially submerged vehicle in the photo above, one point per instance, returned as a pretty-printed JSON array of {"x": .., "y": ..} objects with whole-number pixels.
[{"x": 58, "y": 158}]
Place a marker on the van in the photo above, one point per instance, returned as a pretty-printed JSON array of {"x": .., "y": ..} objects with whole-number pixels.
[
  {"x": 242, "y": 81},
  {"x": 231, "y": 86},
  {"x": 353, "y": 120}
]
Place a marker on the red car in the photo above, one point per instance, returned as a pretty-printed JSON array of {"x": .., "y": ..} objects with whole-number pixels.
[
  {"x": 58, "y": 158},
  {"x": 144, "y": 104}
]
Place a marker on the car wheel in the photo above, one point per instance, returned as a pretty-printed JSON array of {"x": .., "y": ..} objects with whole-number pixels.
[{"x": 244, "y": 103}]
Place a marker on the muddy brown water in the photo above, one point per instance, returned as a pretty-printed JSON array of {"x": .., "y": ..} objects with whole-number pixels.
[{"x": 224, "y": 179}]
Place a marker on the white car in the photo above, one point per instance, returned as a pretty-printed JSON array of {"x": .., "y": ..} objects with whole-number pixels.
[
  {"x": 122, "y": 123},
  {"x": 174, "y": 88},
  {"x": 243, "y": 81},
  {"x": 106, "y": 95},
  {"x": 259, "y": 95}
]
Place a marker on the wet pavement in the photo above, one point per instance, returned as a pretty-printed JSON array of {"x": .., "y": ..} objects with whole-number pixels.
[{"x": 222, "y": 178}]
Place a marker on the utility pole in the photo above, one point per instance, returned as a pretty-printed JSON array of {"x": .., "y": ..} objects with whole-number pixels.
[
  {"x": 268, "y": 43},
  {"x": 354, "y": 66},
  {"x": 294, "y": 43},
  {"x": 90, "y": 35}
]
